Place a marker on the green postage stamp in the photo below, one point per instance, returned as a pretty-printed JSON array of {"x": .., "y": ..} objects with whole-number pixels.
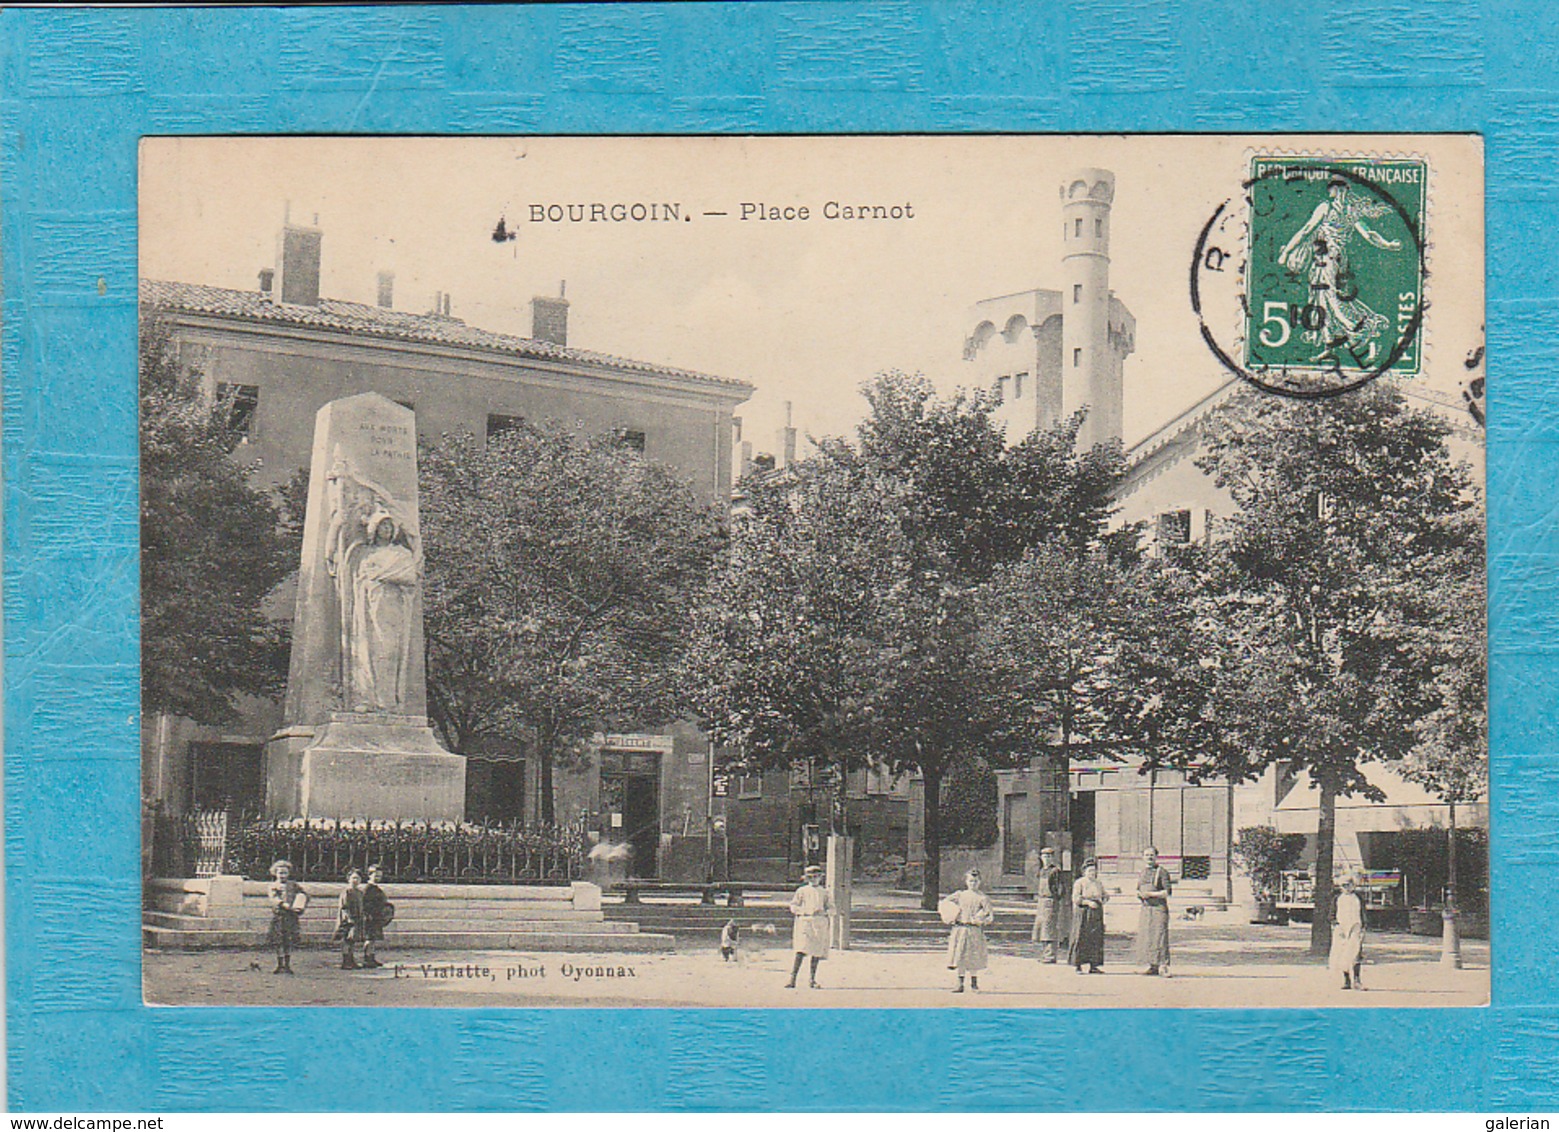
[{"x": 1336, "y": 269}]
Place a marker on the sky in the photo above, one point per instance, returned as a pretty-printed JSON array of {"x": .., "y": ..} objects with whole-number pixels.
[{"x": 805, "y": 310}]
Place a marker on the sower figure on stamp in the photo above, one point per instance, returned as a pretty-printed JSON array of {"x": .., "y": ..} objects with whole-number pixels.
[
  {"x": 813, "y": 908},
  {"x": 1153, "y": 889},
  {"x": 1319, "y": 252},
  {"x": 288, "y": 900},
  {"x": 966, "y": 950},
  {"x": 1050, "y": 891}
]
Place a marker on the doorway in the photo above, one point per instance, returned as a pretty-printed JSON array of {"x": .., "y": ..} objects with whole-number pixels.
[
  {"x": 1014, "y": 834},
  {"x": 1084, "y": 837},
  {"x": 630, "y": 805}
]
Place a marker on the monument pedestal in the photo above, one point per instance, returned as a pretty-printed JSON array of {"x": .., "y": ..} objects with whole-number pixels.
[{"x": 358, "y": 765}]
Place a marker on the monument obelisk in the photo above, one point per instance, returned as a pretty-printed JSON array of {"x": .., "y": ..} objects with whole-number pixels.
[{"x": 355, "y": 740}]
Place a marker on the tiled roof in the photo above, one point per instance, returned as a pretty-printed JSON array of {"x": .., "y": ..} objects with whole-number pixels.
[{"x": 394, "y": 325}]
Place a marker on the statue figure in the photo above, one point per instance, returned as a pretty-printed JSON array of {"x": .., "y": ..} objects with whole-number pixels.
[{"x": 375, "y": 557}]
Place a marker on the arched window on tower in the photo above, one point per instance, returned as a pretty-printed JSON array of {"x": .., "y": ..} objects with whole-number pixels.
[
  {"x": 1077, "y": 358},
  {"x": 1098, "y": 226},
  {"x": 1077, "y": 292},
  {"x": 1078, "y": 226}
]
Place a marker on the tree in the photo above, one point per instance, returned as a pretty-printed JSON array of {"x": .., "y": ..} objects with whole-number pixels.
[
  {"x": 1349, "y": 510},
  {"x": 789, "y": 640},
  {"x": 212, "y": 549},
  {"x": 847, "y": 623},
  {"x": 1449, "y": 638},
  {"x": 1099, "y": 655},
  {"x": 1265, "y": 855},
  {"x": 562, "y": 572},
  {"x": 969, "y": 798}
]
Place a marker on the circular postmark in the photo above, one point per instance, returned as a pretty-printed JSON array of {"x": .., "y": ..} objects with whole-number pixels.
[{"x": 1316, "y": 273}]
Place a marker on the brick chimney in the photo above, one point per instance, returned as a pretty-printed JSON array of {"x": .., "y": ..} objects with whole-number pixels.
[
  {"x": 297, "y": 265},
  {"x": 787, "y": 440},
  {"x": 549, "y": 319},
  {"x": 387, "y": 289}
]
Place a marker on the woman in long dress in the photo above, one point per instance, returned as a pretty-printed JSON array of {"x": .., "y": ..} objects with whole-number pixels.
[
  {"x": 1153, "y": 890},
  {"x": 966, "y": 950},
  {"x": 1088, "y": 901},
  {"x": 1348, "y": 935}
]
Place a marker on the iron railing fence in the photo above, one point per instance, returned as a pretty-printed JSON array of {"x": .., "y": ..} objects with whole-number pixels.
[{"x": 213, "y": 842}]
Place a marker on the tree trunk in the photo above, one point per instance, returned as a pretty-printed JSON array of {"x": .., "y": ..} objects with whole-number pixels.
[
  {"x": 1325, "y": 840},
  {"x": 931, "y": 881},
  {"x": 544, "y": 783},
  {"x": 1450, "y": 876}
]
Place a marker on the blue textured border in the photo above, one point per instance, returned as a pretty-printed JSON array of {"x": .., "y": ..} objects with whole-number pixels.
[{"x": 81, "y": 87}]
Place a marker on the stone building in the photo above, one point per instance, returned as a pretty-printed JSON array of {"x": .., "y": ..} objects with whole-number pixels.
[
  {"x": 281, "y": 351},
  {"x": 1047, "y": 353}
]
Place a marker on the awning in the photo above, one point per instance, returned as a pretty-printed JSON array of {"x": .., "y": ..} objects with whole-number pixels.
[{"x": 1407, "y": 806}]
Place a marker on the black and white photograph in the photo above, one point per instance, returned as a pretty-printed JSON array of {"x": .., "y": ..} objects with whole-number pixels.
[{"x": 1016, "y": 571}]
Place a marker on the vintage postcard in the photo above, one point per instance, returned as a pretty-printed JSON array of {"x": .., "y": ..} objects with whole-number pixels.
[{"x": 937, "y": 571}]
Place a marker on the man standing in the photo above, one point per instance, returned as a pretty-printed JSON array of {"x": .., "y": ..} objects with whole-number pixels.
[
  {"x": 1153, "y": 889},
  {"x": 813, "y": 908},
  {"x": 1050, "y": 890}
]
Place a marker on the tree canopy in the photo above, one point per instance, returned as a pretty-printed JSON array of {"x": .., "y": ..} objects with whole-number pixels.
[
  {"x": 846, "y": 625},
  {"x": 562, "y": 571},
  {"x": 1096, "y": 657},
  {"x": 1351, "y": 518},
  {"x": 213, "y": 548}
]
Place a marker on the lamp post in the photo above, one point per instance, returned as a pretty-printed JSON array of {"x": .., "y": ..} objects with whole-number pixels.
[{"x": 1451, "y": 937}]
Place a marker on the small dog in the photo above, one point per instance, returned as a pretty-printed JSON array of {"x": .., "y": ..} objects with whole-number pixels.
[{"x": 1194, "y": 912}]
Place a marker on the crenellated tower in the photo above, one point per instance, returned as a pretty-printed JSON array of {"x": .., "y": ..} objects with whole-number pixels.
[
  {"x": 1048, "y": 353},
  {"x": 1090, "y": 359}
]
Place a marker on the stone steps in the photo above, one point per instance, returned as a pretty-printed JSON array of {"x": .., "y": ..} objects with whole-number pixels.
[
  {"x": 404, "y": 912},
  {"x": 880, "y": 925},
  {"x": 261, "y": 922},
  {"x": 229, "y": 912},
  {"x": 490, "y": 939}
]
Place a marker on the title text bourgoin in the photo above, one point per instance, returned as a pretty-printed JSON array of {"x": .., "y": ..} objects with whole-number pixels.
[{"x": 599, "y": 212}]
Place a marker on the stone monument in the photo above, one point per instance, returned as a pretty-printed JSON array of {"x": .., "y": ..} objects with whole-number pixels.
[{"x": 355, "y": 740}]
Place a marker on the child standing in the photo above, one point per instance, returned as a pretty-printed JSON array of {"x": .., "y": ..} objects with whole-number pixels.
[
  {"x": 966, "y": 951},
  {"x": 287, "y": 903},
  {"x": 349, "y": 919},
  {"x": 376, "y": 915},
  {"x": 730, "y": 936}
]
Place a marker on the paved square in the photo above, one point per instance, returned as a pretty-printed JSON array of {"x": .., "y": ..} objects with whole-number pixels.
[{"x": 1215, "y": 966}]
